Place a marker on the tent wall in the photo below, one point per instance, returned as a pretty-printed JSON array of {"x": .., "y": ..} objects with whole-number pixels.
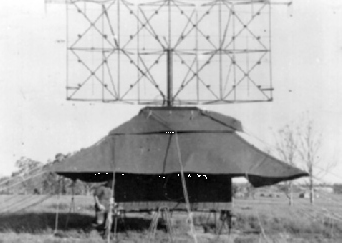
[
  {"x": 146, "y": 192},
  {"x": 150, "y": 191}
]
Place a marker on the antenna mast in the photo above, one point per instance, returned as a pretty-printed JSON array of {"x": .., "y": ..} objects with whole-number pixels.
[{"x": 169, "y": 52}]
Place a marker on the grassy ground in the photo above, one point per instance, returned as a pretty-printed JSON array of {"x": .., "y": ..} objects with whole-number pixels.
[{"x": 259, "y": 220}]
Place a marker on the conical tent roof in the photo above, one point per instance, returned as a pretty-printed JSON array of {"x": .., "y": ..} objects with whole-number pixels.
[
  {"x": 180, "y": 119},
  {"x": 160, "y": 140}
]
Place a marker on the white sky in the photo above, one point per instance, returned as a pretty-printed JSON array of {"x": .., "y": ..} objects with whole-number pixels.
[{"x": 37, "y": 122}]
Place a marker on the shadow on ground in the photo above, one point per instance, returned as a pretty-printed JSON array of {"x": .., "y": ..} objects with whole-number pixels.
[{"x": 37, "y": 223}]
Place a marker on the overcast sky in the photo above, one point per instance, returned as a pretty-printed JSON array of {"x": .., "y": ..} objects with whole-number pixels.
[{"x": 37, "y": 122}]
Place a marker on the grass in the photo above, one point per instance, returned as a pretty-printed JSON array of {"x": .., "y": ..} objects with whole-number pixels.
[{"x": 259, "y": 220}]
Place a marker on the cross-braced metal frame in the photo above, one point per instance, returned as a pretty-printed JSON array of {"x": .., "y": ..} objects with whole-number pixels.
[{"x": 169, "y": 52}]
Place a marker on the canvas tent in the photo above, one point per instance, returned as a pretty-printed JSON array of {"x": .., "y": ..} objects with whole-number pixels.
[{"x": 149, "y": 152}]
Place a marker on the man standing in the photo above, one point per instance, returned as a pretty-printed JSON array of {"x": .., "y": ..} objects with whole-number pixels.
[{"x": 102, "y": 196}]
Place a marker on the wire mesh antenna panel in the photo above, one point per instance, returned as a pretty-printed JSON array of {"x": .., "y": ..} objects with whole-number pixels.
[{"x": 169, "y": 52}]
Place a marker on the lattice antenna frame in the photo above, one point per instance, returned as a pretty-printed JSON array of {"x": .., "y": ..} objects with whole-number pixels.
[{"x": 169, "y": 52}]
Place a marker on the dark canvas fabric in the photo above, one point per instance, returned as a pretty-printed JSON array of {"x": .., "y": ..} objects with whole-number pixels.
[
  {"x": 205, "y": 153},
  {"x": 158, "y": 140},
  {"x": 157, "y": 188}
]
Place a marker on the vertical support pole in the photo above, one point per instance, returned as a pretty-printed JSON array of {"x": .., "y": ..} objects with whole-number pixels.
[
  {"x": 169, "y": 53},
  {"x": 215, "y": 221},
  {"x": 169, "y": 24},
  {"x": 230, "y": 211},
  {"x": 119, "y": 48},
  {"x": 169, "y": 78},
  {"x": 234, "y": 56},
  {"x": 197, "y": 63},
  {"x": 103, "y": 52},
  {"x": 72, "y": 208},
  {"x": 112, "y": 200},
  {"x": 247, "y": 65},
  {"x": 312, "y": 192},
  {"x": 138, "y": 51},
  {"x": 67, "y": 46},
  {"x": 58, "y": 204},
  {"x": 220, "y": 46},
  {"x": 270, "y": 44}
]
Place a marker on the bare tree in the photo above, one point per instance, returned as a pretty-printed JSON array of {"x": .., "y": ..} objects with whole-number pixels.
[
  {"x": 310, "y": 144},
  {"x": 300, "y": 145},
  {"x": 287, "y": 149}
]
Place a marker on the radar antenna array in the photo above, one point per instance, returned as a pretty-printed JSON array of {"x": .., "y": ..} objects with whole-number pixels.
[{"x": 169, "y": 52}]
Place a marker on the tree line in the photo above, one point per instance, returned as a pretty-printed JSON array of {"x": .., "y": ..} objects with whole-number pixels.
[
  {"x": 300, "y": 144},
  {"x": 31, "y": 177}
]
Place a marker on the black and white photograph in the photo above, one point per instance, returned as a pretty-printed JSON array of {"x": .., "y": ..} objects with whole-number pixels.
[{"x": 153, "y": 121}]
